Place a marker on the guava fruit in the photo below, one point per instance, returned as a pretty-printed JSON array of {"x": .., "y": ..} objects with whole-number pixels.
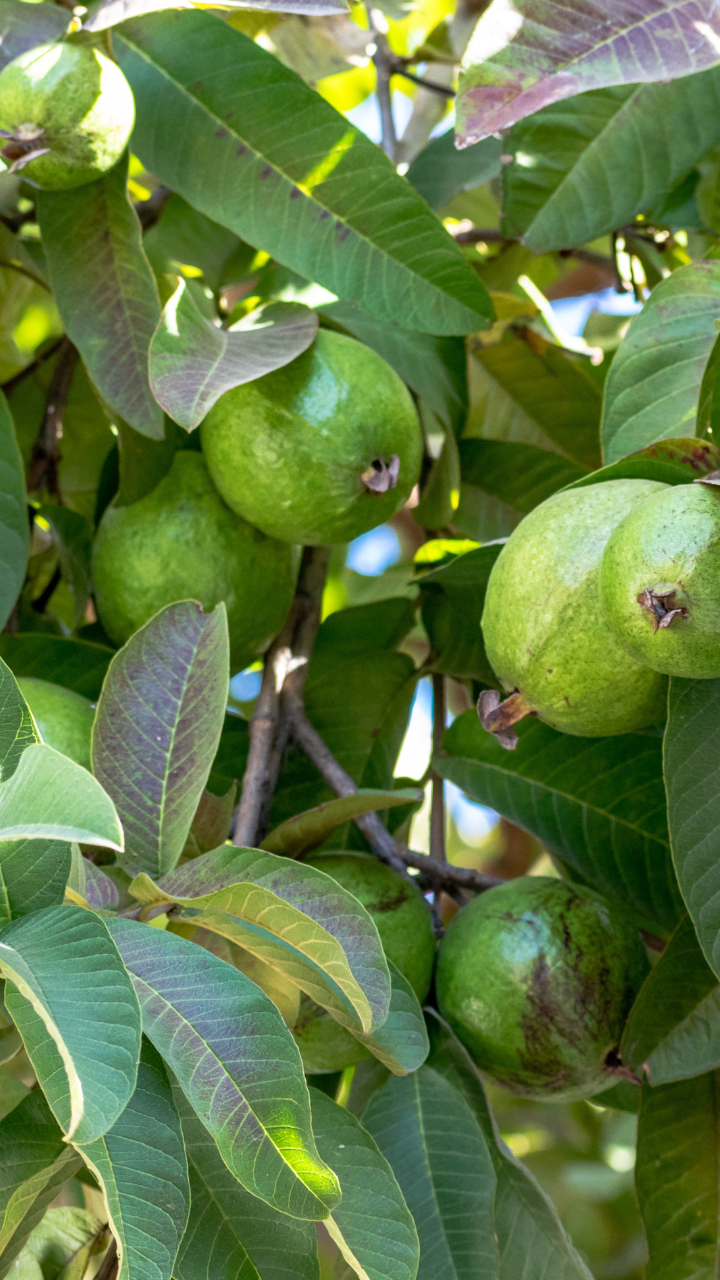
[
  {"x": 319, "y": 451},
  {"x": 402, "y": 919},
  {"x": 536, "y": 977},
  {"x": 660, "y": 582},
  {"x": 545, "y": 632},
  {"x": 63, "y": 718},
  {"x": 181, "y": 542},
  {"x": 67, "y": 113}
]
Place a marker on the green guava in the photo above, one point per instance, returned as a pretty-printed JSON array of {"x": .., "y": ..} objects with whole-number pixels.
[
  {"x": 67, "y": 113},
  {"x": 319, "y": 451},
  {"x": 545, "y": 632},
  {"x": 660, "y": 582},
  {"x": 402, "y": 919},
  {"x": 63, "y": 718},
  {"x": 536, "y": 977},
  {"x": 181, "y": 542}
]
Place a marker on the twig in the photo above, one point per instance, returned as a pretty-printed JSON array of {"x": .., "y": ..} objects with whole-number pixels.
[
  {"x": 398, "y": 69},
  {"x": 482, "y": 235},
  {"x": 45, "y": 458},
  {"x": 437, "y": 809},
  {"x": 9, "y": 386},
  {"x": 383, "y": 60},
  {"x": 23, "y": 271},
  {"x": 262, "y": 734}
]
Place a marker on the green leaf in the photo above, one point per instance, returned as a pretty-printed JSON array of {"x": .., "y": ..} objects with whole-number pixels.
[
  {"x": 231, "y": 1233},
  {"x": 60, "y": 1247},
  {"x": 17, "y": 729},
  {"x": 35, "y": 1162},
  {"x": 597, "y": 803},
  {"x": 237, "y": 1064},
  {"x": 141, "y": 1166},
  {"x": 158, "y": 726},
  {"x": 211, "y": 823},
  {"x": 708, "y": 413},
  {"x": 72, "y": 536},
  {"x": 436, "y": 1149},
  {"x": 33, "y": 875},
  {"x": 401, "y": 1043},
  {"x": 670, "y": 461},
  {"x": 14, "y": 525},
  {"x": 192, "y": 361},
  {"x": 90, "y": 883},
  {"x": 521, "y": 474},
  {"x": 676, "y": 1178},
  {"x": 75, "y": 664},
  {"x": 308, "y": 830},
  {"x": 440, "y": 171},
  {"x": 24, "y": 29},
  {"x": 105, "y": 291},
  {"x": 75, "y": 1008},
  {"x": 674, "y": 1026},
  {"x": 51, "y": 797},
  {"x": 372, "y": 1225},
  {"x": 452, "y": 597},
  {"x": 298, "y": 189},
  {"x": 654, "y": 381},
  {"x": 182, "y": 235},
  {"x": 294, "y": 917}
]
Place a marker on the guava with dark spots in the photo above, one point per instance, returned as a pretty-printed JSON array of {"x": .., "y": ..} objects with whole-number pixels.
[{"x": 64, "y": 719}]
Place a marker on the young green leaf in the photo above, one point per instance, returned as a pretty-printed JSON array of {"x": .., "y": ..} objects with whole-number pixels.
[
  {"x": 51, "y": 797},
  {"x": 33, "y": 875},
  {"x": 298, "y": 189},
  {"x": 14, "y": 525},
  {"x": 235, "y": 1061},
  {"x": 157, "y": 728},
  {"x": 372, "y": 1226},
  {"x": 308, "y": 830},
  {"x": 17, "y": 728},
  {"x": 76, "y": 1010},
  {"x": 521, "y": 474},
  {"x": 75, "y": 664},
  {"x": 141, "y": 1166}
]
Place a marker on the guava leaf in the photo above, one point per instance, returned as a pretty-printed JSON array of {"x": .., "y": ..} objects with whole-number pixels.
[
  {"x": 90, "y": 884},
  {"x": 75, "y": 1008},
  {"x": 452, "y": 597},
  {"x": 72, "y": 536},
  {"x": 51, "y": 797},
  {"x": 14, "y": 524},
  {"x": 105, "y": 291},
  {"x": 17, "y": 728},
  {"x": 108, "y": 13},
  {"x": 312, "y": 191},
  {"x": 525, "y": 55},
  {"x": 157, "y": 729},
  {"x": 372, "y": 1226},
  {"x": 654, "y": 381},
  {"x": 75, "y": 664},
  {"x": 33, "y": 875},
  {"x": 211, "y": 823},
  {"x": 24, "y": 29},
  {"x": 440, "y": 171},
  {"x": 597, "y": 803},
  {"x": 401, "y": 1043},
  {"x": 674, "y": 1026},
  {"x": 230, "y": 1233},
  {"x": 676, "y": 1177},
  {"x": 236, "y": 1063},
  {"x": 521, "y": 474},
  {"x": 308, "y": 830},
  {"x": 669, "y": 461},
  {"x": 294, "y": 917},
  {"x": 193, "y": 362},
  {"x": 61, "y": 1246},
  {"x": 141, "y": 1166}
]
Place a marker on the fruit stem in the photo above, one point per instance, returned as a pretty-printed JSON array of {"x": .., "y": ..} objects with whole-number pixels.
[
  {"x": 437, "y": 811},
  {"x": 497, "y": 717}
]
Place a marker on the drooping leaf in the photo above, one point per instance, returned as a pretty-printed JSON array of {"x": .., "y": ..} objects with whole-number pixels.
[
  {"x": 157, "y": 729},
  {"x": 401, "y": 1043},
  {"x": 17, "y": 730},
  {"x": 105, "y": 291},
  {"x": 33, "y": 875},
  {"x": 669, "y": 461},
  {"x": 24, "y": 28},
  {"x": 523, "y": 56},
  {"x": 50, "y": 797},
  {"x": 654, "y": 381},
  {"x": 141, "y": 1166},
  {"x": 440, "y": 171},
  {"x": 453, "y": 596},
  {"x": 299, "y": 191},
  {"x": 372, "y": 1225},
  {"x": 14, "y": 526},
  {"x": 75, "y": 1007},
  {"x": 75, "y": 664},
  {"x": 235, "y": 1061},
  {"x": 308, "y": 830},
  {"x": 211, "y": 823},
  {"x": 597, "y": 803},
  {"x": 521, "y": 474}
]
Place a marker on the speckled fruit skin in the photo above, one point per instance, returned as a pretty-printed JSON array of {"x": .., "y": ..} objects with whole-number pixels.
[
  {"x": 544, "y": 628},
  {"x": 287, "y": 451},
  {"x": 536, "y": 977},
  {"x": 181, "y": 542},
  {"x": 670, "y": 543},
  {"x": 64, "y": 719},
  {"x": 82, "y": 101}
]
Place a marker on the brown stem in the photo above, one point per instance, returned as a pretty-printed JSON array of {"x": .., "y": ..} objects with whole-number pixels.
[
  {"x": 9, "y": 386},
  {"x": 437, "y": 810},
  {"x": 109, "y": 1265},
  {"x": 45, "y": 458},
  {"x": 383, "y": 59},
  {"x": 262, "y": 735}
]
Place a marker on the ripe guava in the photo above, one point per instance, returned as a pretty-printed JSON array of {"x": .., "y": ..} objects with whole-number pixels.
[
  {"x": 181, "y": 542},
  {"x": 67, "y": 113},
  {"x": 536, "y": 977},
  {"x": 402, "y": 919},
  {"x": 319, "y": 451},
  {"x": 63, "y": 718},
  {"x": 660, "y": 582},
  {"x": 545, "y": 632}
]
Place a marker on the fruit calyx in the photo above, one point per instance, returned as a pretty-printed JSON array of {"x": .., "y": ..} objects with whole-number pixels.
[
  {"x": 381, "y": 475},
  {"x": 23, "y": 146},
  {"x": 614, "y": 1066},
  {"x": 498, "y": 717},
  {"x": 663, "y": 607}
]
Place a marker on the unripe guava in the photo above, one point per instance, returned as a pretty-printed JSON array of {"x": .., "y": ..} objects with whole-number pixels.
[
  {"x": 63, "y": 718},
  {"x": 67, "y": 112},
  {"x": 319, "y": 451},
  {"x": 660, "y": 582},
  {"x": 181, "y": 542},
  {"x": 543, "y": 624},
  {"x": 536, "y": 977},
  {"x": 402, "y": 919}
]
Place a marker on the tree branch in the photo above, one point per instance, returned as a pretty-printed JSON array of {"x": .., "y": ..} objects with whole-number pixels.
[
  {"x": 383, "y": 59},
  {"x": 437, "y": 810},
  {"x": 43, "y": 469}
]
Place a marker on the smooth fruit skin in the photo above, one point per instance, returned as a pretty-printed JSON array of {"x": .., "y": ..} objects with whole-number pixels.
[
  {"x": 63, "y": 718},
  {"x": 81, "y": 100},
  {"x": 669, "y": 545},
  {"x": 536, "y": 977},
  {"x": 288, "y": 450},
  {"x": 544, "y": 628},
  {"x": 181, "y": 542}
]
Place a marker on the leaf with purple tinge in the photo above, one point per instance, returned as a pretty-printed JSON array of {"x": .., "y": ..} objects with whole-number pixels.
[
  {"x": 192, "y": 361},
  {"x": 525, "y": 54},
  {"x": 87, "y": 885},
  {"x": 236, "y": 1063},
  {"x": 157, "y": 729},
  {"x": 24, "y": 29}
]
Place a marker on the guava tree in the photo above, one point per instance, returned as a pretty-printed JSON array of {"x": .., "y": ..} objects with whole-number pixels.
[{"x": 247, "y": 1029}]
